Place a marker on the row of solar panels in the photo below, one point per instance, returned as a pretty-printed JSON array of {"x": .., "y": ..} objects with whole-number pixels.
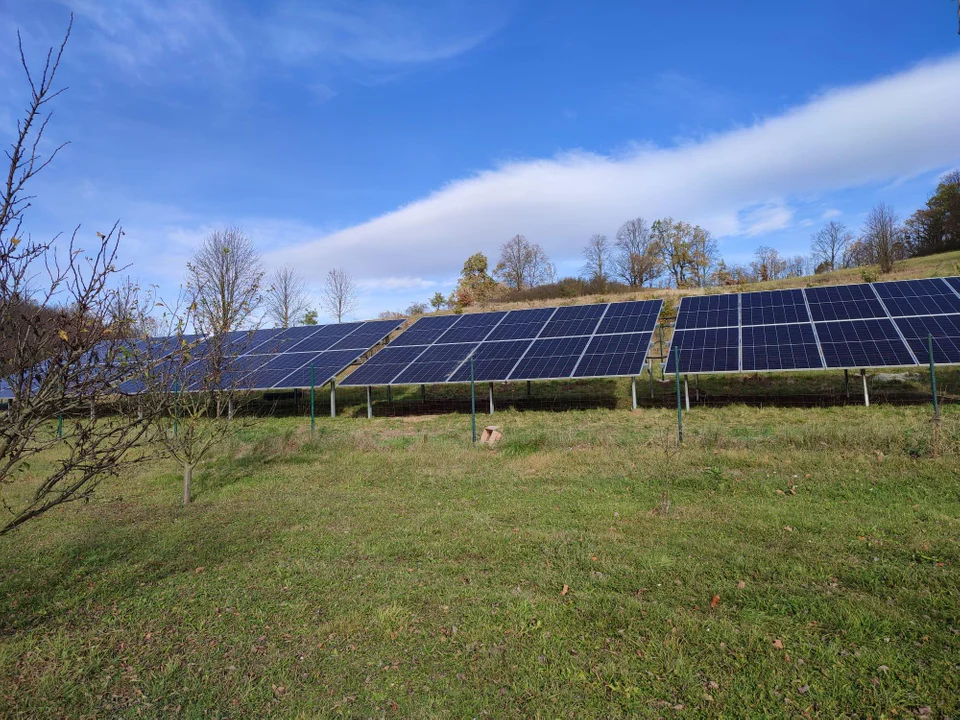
[{"x": 883, "y": 324}]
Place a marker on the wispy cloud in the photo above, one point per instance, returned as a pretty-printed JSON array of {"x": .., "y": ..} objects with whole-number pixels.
[{"x": 849, "y": 137}]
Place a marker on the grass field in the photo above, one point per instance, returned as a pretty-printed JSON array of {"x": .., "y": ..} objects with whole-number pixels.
[{"x": 807, "y": 565}]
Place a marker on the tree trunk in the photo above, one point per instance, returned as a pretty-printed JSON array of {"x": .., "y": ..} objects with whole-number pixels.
[{"x": 187, "y": 480}]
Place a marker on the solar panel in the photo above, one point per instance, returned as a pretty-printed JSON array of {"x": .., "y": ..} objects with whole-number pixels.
[
  {"x": 708, "y": 350},
  {"x": 365, "y": 336},
  {"x": 844, "y": 302},
  {"x": 918, "y": 297},
  {"x": 862, "y": 343},
  {"x": 708, "y": 311},
  {"x": 385, "y": 365},
  {"x": 945, "y": 330},
  {"x": 325, "y": 365},
  {"x": 613, "y": 355},
  {"x": 472, "y": 328},
  {"x": 550, "y": 358},
  {"x": 435, "y": 364},
  {"x": 773, "y": 307},
  {"x": 780, "y": 347},
  {"x": 323, "y": 338},
  {"x": 574, "y": 320},
  {"x": 492, "y": 361},
  {"x": 426, "y": 330},
  {"x": 953, "y": 282},
  {"x": 628, "y": 317},
  {"x": 520, "y": 324}
]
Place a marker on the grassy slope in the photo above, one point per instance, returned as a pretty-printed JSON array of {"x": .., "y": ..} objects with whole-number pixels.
[{"x": 391, "y": 569}]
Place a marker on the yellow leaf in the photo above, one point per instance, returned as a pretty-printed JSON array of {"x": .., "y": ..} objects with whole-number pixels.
[
  {"x": 14, "y": 241},
  {"x": 63, "y": 335}
]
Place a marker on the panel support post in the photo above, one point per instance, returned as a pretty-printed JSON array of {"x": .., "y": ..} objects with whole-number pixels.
[
  {"x": 230, "y": 409},
  {"x": 846, "y": 382},
  {"x": 139, "y": 409},
  {"x": 490, "y": 392},
  {"x": 633, "y": 392},
  {"x": 650, "y": 371},
  {"x": 933, "y": 380},
  {"x": 369, "y": 403},
  {"x": 473, "y": 402},
  {"x": 423, "y": 393},
  {"x": 93, "y": 410},
  {"x": 389, "y": 394},
  {"x": 529, "y": 389},
  {"x": 686, "y": 393},
  {"x": 676, "y": 366},
  {"x": 313, "y": 397},
  {"x": 333, "y": 398},
  {"x": 696, "y": 385},
  {"x": 866, "y": 393}
]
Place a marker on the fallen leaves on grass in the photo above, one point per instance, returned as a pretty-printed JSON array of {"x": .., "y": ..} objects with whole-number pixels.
[
  {"x": 715, "y": 601},
  {"x": 778, "y": 644},
  {"x": 566, "y": 589},
  {"x": 741, "y": 585}
]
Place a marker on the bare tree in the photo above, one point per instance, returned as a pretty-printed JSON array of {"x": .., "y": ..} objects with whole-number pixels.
[
  {"x": 768, "y": 264},
  {"x": 828, "y": 245},
  {"x": 286, "y": 299},
  {"x": 796, "y": 266},
  {"x": 224, "y": 280},
  {"x": 883, "y": 237},
  {"x": 596, "y": 255},
  {"x": 63, "y": 323},
  {"x": 704, "y": 256},
  {"x": 416, "y": 308},
  {"x": 637, "y": 258},
  {"x": 523, "y": 264},
  {"x": 339, "y": 294}
]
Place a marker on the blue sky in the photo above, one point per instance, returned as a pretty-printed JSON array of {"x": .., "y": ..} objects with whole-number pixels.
[{"x": 396, "y": 139}]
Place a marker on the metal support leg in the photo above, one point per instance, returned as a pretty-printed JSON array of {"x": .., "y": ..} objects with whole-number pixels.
[
  {"x": 139, "y": 409},
  {"x": 491, "y": 398},
  {"x": 696, "y": 386},
  {"x": 93, "y": 410},
  {"x": 686, "y": 393},
  {"x": 369, "y": 402},
  {"x": 650, "y": 370},
  {"x": 633, "y": 392},
  {"x": 230, "y": 409},
  {"x": 846, "y": 382},
  {"x": 333, "y": 398},
  {"x": 529, "y": 389},
  {"x": 423, "y": 393},
  {"x": 389, "y": 394},
  {"x": 866, "y": 393}
]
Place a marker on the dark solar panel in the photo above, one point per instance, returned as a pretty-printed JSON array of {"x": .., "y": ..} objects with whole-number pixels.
[
  {"x": 844, "y": 302},
  {"x": 918, "y": 297},
  {"x": 436, "y": 364},
  {"x": 492, "y": 361},
  {"x": 326, "y": 365},
  {"x": 862, "y": 343},
  {"x": 706, "y": 350},
  {"x": 384, "y": 366},
  {"x": 550, "y": 358},
  {"x": 780, "y": 347},
  {"x": 520, "y": 324},
  {"x": 610, "y": 355},
  {"x": 365, "y": 337},
  {"x": 324, "y": 337},
  {"x": 707, "y": 311},
  {"x": 425, "y": 330},
  {"x": 945, "y": 330},
  {"x": 953, "y": 282},
  {"x": 574, "y": 320},
  {"x": 472, "y": 328},
  {"x": 773, "y": 307},
  {"x": 626, "y": 317}
]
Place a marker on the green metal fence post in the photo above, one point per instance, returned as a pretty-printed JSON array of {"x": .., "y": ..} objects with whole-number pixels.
[
  {"x": 313, "y": 397},
  {"x": 933, "y": 379},
  {"x": 473, "y": 403},
  {"x": 676, "y": 367},
  {"x": 59, "y": 426}
]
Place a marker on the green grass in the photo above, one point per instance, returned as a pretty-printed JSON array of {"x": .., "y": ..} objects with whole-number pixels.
[{"x": 388, "y": 568}]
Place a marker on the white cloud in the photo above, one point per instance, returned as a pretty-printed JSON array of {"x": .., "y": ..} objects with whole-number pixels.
[
  {"x": 765, "y": 219},
  {"x": 397, "y": 283},
  {"x": 831, "y": 213},
  {"x": 898, "y": 125}
]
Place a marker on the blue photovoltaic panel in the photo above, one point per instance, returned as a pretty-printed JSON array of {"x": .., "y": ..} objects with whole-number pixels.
[
  {"x": 384, "y": 366},
  {"x": 627, "y": 317},
  {"x": 918, "y": 297},
  {"x": 773, "y": 307},
  {"x": 844, "y": 302},
  {"x": 326, "y": 365},
  {"x": 492, "y": 361},
  {"x": 954, "y": 282},
  {"x": 436, "y": 364},
  {"x": 573, "y": 320},
  {"x": 612, "y": 355},
  {"x": 425, "y": 330},
  {"x": 366, "y": 336},
  {"x": 708, "y": 311},
  {"x": 780, "y": 347},
  {"x": 284, "y": 340},
  {"x": 520, "y": 324},
  {"x": 862, "y": 343},
  {"x": 550, "y": 358},
  {"x": 945, "y": 330},
  {"x": 472, "y": 328},
  {"x": 706, "y": 350},
  {"x": 324, "y": 338}
]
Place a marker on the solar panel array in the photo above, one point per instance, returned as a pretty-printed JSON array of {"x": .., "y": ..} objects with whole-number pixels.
[
  {"x": 581, "y": 341},
  {"x": 273, "y": 359},
  {"x": 883, "y": 324}
]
